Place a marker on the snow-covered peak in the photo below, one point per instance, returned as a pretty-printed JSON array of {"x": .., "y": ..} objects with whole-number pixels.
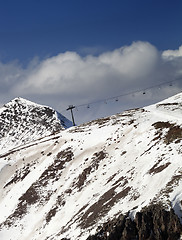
[
  {"x": 21, "y": 101},
  {"x": 22, "y": 121}
]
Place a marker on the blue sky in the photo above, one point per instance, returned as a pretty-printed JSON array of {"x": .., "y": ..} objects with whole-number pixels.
[
  {"x": 45, "y": 28},
  {"x": 64, "y": 52}
]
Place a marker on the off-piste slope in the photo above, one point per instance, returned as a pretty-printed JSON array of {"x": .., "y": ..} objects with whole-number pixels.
[
  {"x": 93, "y": 181},
  {"x": 22, "y": 121}
]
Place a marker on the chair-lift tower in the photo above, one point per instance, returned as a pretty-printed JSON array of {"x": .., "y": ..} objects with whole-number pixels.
[{"x": 71, "y": 107}]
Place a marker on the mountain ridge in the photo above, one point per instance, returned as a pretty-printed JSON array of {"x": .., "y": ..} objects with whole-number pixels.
[{"x": 69, "y": 184}]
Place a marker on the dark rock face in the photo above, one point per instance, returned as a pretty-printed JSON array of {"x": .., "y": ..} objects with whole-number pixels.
[{"x": 152, "y": 223}]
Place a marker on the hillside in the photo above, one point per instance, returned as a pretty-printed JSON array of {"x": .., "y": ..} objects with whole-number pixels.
[{"x": 113, "y": 178}]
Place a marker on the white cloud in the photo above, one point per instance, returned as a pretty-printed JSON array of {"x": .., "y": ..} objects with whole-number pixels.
[
  {"x": 69, "y": 78},
  {"x": 133, "y": 61},
  {"x": 172, "y": 53},
  {"x": 68, "y": 72}
]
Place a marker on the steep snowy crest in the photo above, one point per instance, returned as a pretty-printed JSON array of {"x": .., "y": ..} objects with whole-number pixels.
[{"x": 22, "y": 121}]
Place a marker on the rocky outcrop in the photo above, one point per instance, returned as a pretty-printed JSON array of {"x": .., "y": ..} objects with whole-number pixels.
[{"x": 152, "y": 223}]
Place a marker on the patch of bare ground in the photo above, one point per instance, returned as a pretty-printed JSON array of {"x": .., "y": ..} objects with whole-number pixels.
[
  {"x": 82, "y": 177},
  {"x": 111, "y": 178},
  {"x": 170, "y": 106},
  {"x": 96, "y": 159},
  {"x": 157, "y": 139},
  {"x": 133, "y": 111},
  {"x": 102, "y": 206},
  {"x": 75, "y": 218},
  {"x": 54, "y": 170},
  {"x": 20, "y": 211},
  {"x": 30, "y": 197},
  {"x": 51, "y": 214},
  {"x": 174, "y": 131},
  {"x": 134, "y": 195},
  {"x": 60, "y": 202},
  {"x": 167, "y": 104},
  {"x": 79, "y": 129},
  {"x": 102, "y": 121},
  {"x": 158, "y": 168},
  {"x": 38, "y": 193},
  {"x": 20, "y": 174},
  {"x": 81, "y": 209},
  {"x": 122, "y": 181}
]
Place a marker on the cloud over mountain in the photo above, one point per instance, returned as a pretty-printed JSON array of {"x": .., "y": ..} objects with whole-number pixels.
[
  {"x": 70, "y": 77},
  {"x": 69, "y": 71}
]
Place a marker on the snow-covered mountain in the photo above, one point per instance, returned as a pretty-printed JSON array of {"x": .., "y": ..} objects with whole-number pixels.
[
  {"x": 22, "y": 121},
  {"x": 118, "y": 177}
]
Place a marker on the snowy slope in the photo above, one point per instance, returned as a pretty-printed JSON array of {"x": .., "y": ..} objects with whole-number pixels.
[
  {"x": 22, "y": 121},
  {"x": 67, "y": 184}
]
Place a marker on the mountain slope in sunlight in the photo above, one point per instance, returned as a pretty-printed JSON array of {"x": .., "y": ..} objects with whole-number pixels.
[{"x": 118, "y": 177}]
